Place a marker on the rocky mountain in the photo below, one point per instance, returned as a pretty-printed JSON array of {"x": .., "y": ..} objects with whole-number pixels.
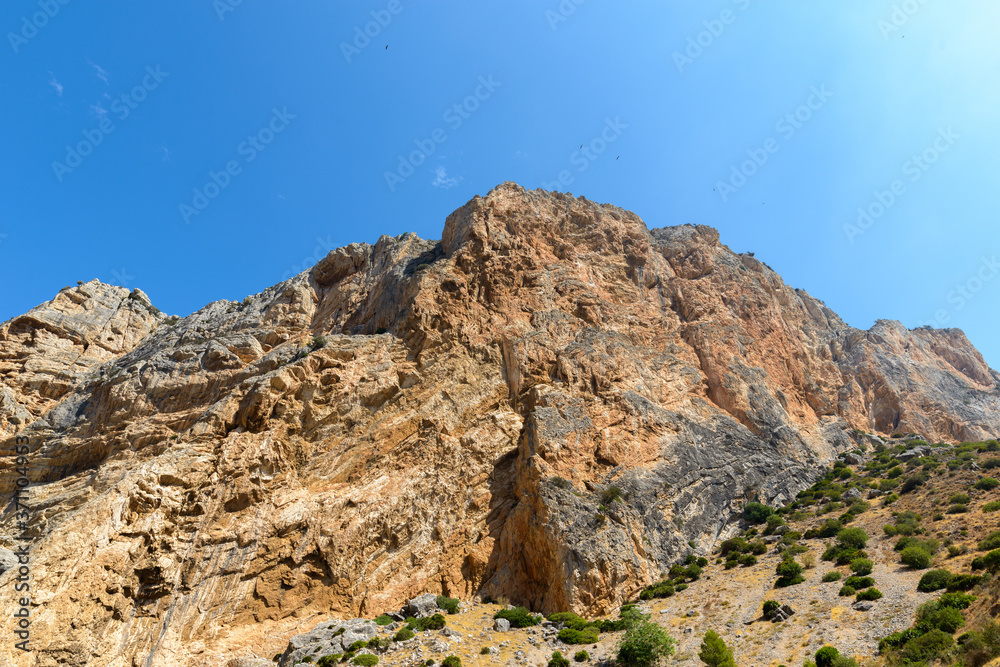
[{"x": 549, "y": 404}]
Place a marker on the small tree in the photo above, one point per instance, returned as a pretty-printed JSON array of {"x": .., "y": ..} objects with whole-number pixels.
[
  {"x": 757, "y": 513},
  {"x": 853, "y": 538},
  {"x": 826, "y": 655},
  {"x": 862, "y": 566},
  {"x": 645, "y": 644},
  {"x": 714, "y": 651}
]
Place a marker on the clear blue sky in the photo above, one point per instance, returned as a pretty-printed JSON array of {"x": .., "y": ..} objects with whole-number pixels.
[{"x": 201, "y": 79}]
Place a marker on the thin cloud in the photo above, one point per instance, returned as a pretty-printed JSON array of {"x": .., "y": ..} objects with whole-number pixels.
[
  {"x": 55, "y": 84},
  {"x": 101, "y": 73},
  {"x": 443, "y": 180},
  {"x": 98, "y": 110},
  {"x": 166, "y": 153}
]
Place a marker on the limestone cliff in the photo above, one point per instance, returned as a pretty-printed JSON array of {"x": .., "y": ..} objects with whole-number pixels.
[{"x": 434, "y": 416}]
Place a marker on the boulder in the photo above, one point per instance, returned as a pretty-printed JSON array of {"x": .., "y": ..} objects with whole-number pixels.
[
  {"x": 8, "y": 560},
  {"x": 863, "y": 605},
  {"x": 782, "y": 613},
  {"x": 422, "y": 605},
  {"x": 915, "y": 453},
  {"x": 853, "y": 494},
  {"x": 501, "y": 625},
  {"x": 327, "y": 638}
]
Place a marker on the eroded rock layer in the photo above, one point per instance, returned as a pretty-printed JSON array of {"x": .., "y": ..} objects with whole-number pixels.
[{"x": 445, "y": 416}]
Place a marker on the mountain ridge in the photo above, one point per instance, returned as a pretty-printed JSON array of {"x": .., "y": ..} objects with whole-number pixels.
[{"x": 442, "y": 416}]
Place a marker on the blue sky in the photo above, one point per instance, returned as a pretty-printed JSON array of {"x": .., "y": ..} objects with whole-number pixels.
[{"x": 773, "y": 122}]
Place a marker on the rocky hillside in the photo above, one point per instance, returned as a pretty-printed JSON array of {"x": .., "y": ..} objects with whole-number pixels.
[{"x": 548, "y": 405}]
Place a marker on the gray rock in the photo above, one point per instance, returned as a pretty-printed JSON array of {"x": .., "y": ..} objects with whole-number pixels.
[
  {"x": 423, "y": 605},
  {"x": 915, "y": 453},
  {"x": 448, "y": 632},
  {"x": 501, "y": 625},
  {"x": 863, "y": 605},
  {"x": 8, "y": 560},
  {"x": 324, "y": 639},
  {"x": 782, "y": 613},
  {"x": 853, "y": 494}
]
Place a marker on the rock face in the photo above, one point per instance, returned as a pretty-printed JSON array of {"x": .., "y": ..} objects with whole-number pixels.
[{"x": 550, "y": 404}]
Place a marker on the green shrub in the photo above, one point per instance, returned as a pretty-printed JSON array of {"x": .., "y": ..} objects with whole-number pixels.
[
  {"x": 484, "y": 650},
  {"x": 756, "y": 513},
  {"x": 557, "y": 660},
  {"x": 519, "y": 617},
  {"x": 956, "y": 600},
  {"x": 403, "y": 634},
  {"x": 450, "y": 605},
  {"x": 992, "y": 506},
  {"x": 963, "y": 582},
  {"x": 383, "y": 619},
  {"x": 957, "y": 509},
  {"x": 358, "y": 645},
  {"x": 990, "y": 463},
  {"x": 832, "y": 575},
  {"x": 789, "y": 573},
  {"x": 991, "y": 542},
  {"x": 862, "y": 566},
  {"x": 852, "y": 538},
  {"x": 927, "y": 647},
  {"x": 890, "y": 499},
  {"x": 890, "y": 531},
  {"x": 714, "y": 652},
  {"x": 869, "y": 594},
  {"x": 734, "y": 544},
  {"x": 611, "y": 494},
  {"x": 588, "y": 635},
  {"x": 826, "y": 655},
  {"x": 770, "y": 606},
  {"x": 365, "y": 660},
  {"x": 644, "y": 645},
  {"x": 914, "y": 481},
  {"x": 945, "y": 619},
  {"x": 581, "y": 656},
  {"x": 748, "y": 560},
  {"x": 916, "y": 557},
  {"x": 990, "y": 562},
  {"x": 452, "y": 661},
  {"x": 663, "y": 589},
  {"x": 934, "y": 580},
  {"x": 986, "y": 484},
  {"x": 846, "y": 590},
  {"x": 858, "y": 583},
  {"x": 959, "y": 499},
  {"x": 435, "y": 622}
]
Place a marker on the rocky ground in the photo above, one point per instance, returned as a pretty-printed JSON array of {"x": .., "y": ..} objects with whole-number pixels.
[{"x": 729, "y": 601}]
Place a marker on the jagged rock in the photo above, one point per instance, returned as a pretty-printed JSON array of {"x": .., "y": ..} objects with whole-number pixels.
[
  {"x": 423, "y": 605},
  {"x": 782, "y": 613},
  {"x": 8, "y": 560},
  {"x": 501, "y": 625},
  {"x": 852, "y": 458},
  {"x": 916, "y": 452},
  {"x": 228, "y": 470},
  {"x": 853, "y": 493},
  {"x": 863, "y": 605},
  {"x": 326, "y": 639}
]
